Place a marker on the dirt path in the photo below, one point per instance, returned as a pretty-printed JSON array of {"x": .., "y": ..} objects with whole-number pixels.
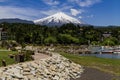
[
  {"x": 39, "y": 56},
  {"x": 94, "y": 74}
]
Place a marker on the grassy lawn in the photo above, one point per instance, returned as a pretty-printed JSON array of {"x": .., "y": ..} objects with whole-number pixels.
[
  {"x": 4, "y": 55},
  {"x": 107, "y": 65}
]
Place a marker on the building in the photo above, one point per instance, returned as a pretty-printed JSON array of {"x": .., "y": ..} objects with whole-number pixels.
[
  {"x": 3, "y": 34},
  {"x": 107, "y": 34}
]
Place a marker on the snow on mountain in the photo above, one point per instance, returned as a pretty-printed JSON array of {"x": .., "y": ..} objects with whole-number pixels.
[{"x": 58, "y": 19}]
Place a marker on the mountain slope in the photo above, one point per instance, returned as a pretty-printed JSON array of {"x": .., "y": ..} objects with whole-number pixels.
[
  {"x": 58, "y": 19},
  {"x": 16, "y": 20}
]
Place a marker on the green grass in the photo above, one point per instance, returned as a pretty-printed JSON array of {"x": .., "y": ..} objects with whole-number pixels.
[
  {"x": 4, "y": 55},
  {"x": 107, "y": 65}
]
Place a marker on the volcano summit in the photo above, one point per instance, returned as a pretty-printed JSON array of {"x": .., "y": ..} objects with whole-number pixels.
[{"x": 58, "y": 19}]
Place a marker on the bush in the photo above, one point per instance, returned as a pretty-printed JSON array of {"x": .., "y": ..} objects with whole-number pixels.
[
  {"x": 28, "y": 55},
  {"x": 13, "y": 49}
]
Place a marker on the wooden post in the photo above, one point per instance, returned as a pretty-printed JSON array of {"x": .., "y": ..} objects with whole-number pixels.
[
  {"x": 3, "y": 63},
  {"x": 21, "y": 56}
]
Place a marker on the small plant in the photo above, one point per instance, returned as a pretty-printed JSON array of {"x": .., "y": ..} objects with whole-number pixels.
[
  {"x": 13, "y": 49},
  {"x": 114, "y": 79},
  {"x": 28, "y": 55}
]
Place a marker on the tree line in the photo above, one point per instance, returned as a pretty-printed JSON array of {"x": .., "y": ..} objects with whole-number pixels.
[{"x": 66, "y": 34}]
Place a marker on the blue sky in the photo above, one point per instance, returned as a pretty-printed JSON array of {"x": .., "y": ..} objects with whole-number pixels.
[{"x": 95, "y": 12}]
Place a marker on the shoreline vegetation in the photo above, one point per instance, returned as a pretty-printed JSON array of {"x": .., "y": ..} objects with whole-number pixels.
[{"x": 107, "y": 65}]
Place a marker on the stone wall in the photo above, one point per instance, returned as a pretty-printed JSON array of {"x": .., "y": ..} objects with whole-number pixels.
[{"x": 55, "y": 67}]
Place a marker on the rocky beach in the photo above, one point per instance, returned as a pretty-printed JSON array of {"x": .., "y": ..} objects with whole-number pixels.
[{"x": 55, "y": 67}]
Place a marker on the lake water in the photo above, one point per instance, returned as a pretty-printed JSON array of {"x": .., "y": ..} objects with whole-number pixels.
[{"x": 113, "y": 56}]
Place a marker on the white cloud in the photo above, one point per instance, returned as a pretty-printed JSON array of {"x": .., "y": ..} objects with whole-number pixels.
[
  {"x": 27, "y": 13},
  {"x": 51, "y": 2},
  {"x": 80, "y": 17},
  {"x": 75, "y": 12},
  {"x": 62, "y": 8},
  {"x": 85, "y": 3},
  {"x": 17, "y": 12},
  {"x": 90, "y": 16},
  {"x": 49, "y": 12},
  {"x": 65, "y": 7}
]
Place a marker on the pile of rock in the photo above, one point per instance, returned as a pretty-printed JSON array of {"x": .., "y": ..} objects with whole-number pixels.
[{"x": 55, "y": 67}]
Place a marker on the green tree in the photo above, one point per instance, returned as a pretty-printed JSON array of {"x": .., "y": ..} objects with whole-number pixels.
[
  {"x": 50, "y": 40},
  {"x": 67, "y": 39},
  {"x": 110, "y": 41}
]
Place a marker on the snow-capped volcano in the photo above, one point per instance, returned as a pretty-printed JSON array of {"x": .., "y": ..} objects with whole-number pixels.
[{"x": 58, "y": 19}]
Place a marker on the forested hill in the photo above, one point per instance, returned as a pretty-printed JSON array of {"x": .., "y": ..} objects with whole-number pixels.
[
  {"x": 66, "y": 34},
  {"x": 16, "y": 20}
]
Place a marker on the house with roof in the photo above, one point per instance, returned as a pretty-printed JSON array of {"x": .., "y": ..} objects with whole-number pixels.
[{"x": 3, "y": 34}]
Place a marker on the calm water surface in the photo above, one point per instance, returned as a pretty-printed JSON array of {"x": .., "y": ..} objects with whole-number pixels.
[{"x": 113, "y": 56}]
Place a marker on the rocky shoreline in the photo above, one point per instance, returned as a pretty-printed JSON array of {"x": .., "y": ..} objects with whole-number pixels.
[{"x": 55, "y": 67}]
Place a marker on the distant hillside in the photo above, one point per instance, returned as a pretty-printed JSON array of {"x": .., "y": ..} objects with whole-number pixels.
[{"x": 15, "y": 20}]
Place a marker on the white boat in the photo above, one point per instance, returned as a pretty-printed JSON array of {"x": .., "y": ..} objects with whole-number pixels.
[{"x": 117, "y": 51}]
